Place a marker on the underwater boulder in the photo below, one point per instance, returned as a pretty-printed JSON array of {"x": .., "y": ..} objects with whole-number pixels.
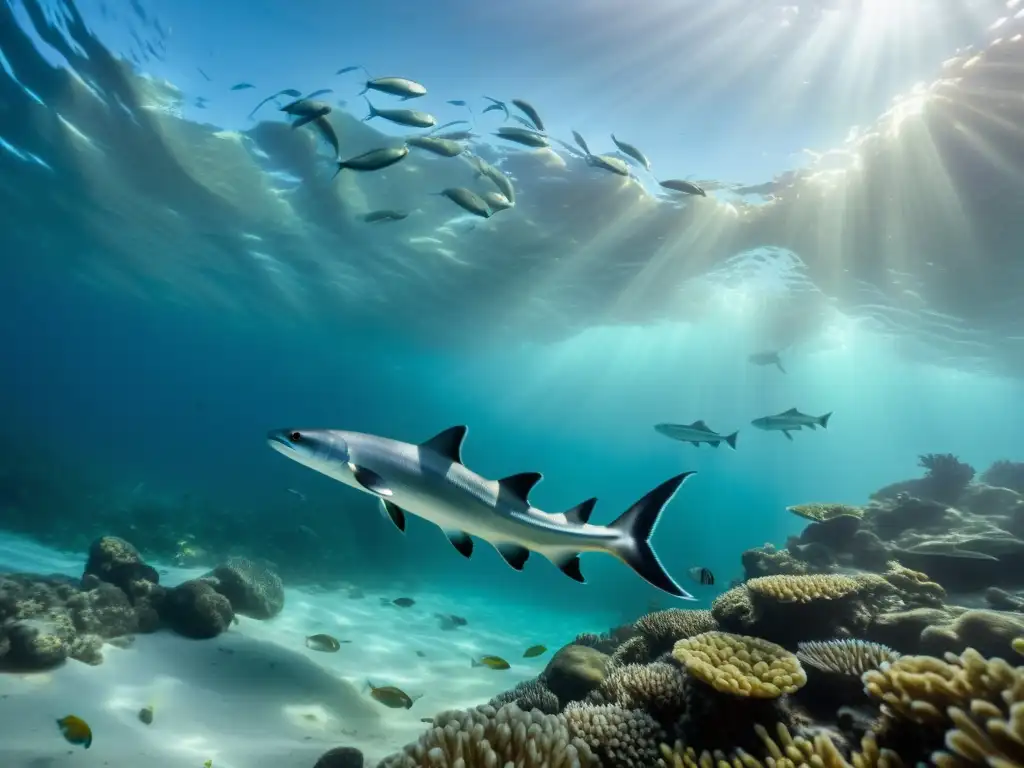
[
  {"x": 340, "y": 757},
  {"x": 991, "y": 501},
  {"x": 194, "y": 609},
  {"x": 574, "y": 671},
  {"x": 988, "y": 632},
  {"x": 118, "y": 562},
  {"x": 252, "y": 589},
  {"x": 103, "y": 610},
  {"x": 37, "y": 644}
]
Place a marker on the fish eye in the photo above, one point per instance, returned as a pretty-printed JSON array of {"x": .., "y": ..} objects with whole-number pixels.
[{"x": 295, "y": 437}]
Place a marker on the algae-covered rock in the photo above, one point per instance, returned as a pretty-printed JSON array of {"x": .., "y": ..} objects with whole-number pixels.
[
  {"x": 340, "y": 757},
  {"x": 253, "y": 590},
  {"x": 117, "y": 562},
  {"x": 195, "y": 610},
  {"x": 574, "y": 671}
]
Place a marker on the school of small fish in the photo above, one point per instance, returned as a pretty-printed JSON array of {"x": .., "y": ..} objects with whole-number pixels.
[{"x": 529, "y": 131}]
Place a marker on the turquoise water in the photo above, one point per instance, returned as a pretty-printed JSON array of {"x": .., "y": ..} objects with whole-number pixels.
[{"x": 180, "y": 274}]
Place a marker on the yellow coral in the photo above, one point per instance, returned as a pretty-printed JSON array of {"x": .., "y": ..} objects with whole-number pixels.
[
  {"x": 741, "y": 666},
  {"x": 487, "y": 737},
  {"x": 1018, "y": 645},
  {"x": 922, "y": 688},
  {"x": 845, "y": 657},
  {"x": 803, "y": 589},
  {"x": 822, "y": 512}
]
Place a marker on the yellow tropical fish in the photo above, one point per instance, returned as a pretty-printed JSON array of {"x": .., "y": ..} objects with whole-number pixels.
[
  {"x": 75, "y": 730},
  {"x": 535, "y": 650},
  {"x": 491, "y": 662},
  {"x": 392, "y": 697},
  {"x": 208, "y": 764}
]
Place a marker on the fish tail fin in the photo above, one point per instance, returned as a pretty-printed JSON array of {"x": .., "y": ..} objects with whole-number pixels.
[
  {"x": 823, "y": 420},
  {"x": 474, "y": 663},
  {"x": 635, "y": 527},
  {"x": 373, "y": 110},
  {"x": 730, "y": 440}
]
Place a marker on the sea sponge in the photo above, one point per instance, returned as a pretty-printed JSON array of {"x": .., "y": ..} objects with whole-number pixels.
[
  {"x": 529, "y": 694},
  {"x": 662, "y": 629},
  {"x": 845, "y": 657},
  {"x": 741, "y": 666},
  {"x": 803, "y": 589},
  {"x": 655, "y": 688},
  {"x": 488, "y": 737},
  {"x": 829, "y": 511},
  {"x": 617, "y": 737}
]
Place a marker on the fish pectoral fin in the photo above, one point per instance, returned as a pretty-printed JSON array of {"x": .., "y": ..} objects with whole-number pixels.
[
  {"x": 580, "y": 514},
  {"x": 714, "y": 443},
  {"x": 520, "y": 485},
  {"x": 513, "y": 554},
  {"x": 570, "y": 566},
  {"x": 448, "y": 443},
  {"x": 695, "y": 443},
  {"x": 370, "y": 480},
  {"x": 395, "y": 513},
  {"x": 786, "y": 433},
  {"x": 461, "y": 540}
]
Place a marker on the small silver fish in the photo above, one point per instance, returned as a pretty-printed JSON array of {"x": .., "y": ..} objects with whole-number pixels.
[
  {"x": 374, "y": 160},
  {"x": 437, "y": 146},
  {"x": 410, "y": 117},
  {"x": 696, "y": 433},
  {"x": 496, "y": 105},
  {"x": 501, "y": 181},
  {"x": 395, "y": 86},
  {"x": 770, "y": 357},
  {"x": 523, "y": 136},
  {"x": 527, "y": 109},
  {"x": 633, "y": 152},
  {"x": 467, "y": 200},
  {"x": 496, "y": 201},
  {"x": 384, "y": 215},
  {"x": 581, "y": 142},
  {"x": 681, "y": 185},
  {"x": 608, "y": 163}
]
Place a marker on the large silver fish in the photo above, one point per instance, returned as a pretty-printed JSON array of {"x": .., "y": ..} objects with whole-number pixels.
[
  {"x": 696, "y": 433},
  {"x": 430, "y": 481},
  {"x": 791, "y": 420}
]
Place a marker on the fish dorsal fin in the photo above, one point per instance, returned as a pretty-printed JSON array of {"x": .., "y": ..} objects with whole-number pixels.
[
  {"x": 699, "y": 424},
  {"x": 448, "y": 443},
  {"x": 791, "y": 412},
  {"x": 580, "y": 514},
  {"x": 521, "y": 484}
]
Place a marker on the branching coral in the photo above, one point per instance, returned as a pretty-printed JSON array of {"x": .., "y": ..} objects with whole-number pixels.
[
  {"x": 947, "y": 477},
  {"x": 662, "y": 629},
  {"x": 617, "y": 737},
  {"x": 633, "y": 651},
  {"x": 485, "y": 737},
  {"x": 741, "y": 666},
  {"x": 820, "y": 512},
  {"x": 529, "y": 694},
  {"x": 845, "y": 657}
]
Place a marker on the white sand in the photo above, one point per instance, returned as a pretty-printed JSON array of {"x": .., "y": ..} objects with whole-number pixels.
[{"x": 256, "y": 697}]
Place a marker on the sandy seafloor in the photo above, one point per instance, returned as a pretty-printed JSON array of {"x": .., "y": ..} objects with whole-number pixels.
[{"x": 256, "y": 697}]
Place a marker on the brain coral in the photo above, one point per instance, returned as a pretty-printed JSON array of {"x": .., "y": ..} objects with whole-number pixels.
[
  {"x": 741, "y": 666},
  {"x": 804, "y": 588}
]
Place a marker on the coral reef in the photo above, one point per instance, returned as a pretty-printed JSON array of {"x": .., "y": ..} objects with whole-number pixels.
[{"x": 45, "y": 620}]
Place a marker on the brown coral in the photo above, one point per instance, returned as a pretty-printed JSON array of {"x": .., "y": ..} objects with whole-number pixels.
[
  {"x": 487, "y": 737},
  {"x": 617, "y": 737},
  {"x": 782, "y": 750},
  {"x": 916, "y": 588},
  {"x": 741, "y": 666},
  {"x": 662, "y": 629},
  {"x": 803, "y": 589},
  {"x": 655, "y": 688},
  {"x": 845, "y": 657},
  {"x": 633, "y": 651},
  {"x": 822, "y": 512}
]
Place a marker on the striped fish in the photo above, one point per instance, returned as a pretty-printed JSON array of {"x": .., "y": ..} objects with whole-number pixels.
[{"x": 702, "y": 576}]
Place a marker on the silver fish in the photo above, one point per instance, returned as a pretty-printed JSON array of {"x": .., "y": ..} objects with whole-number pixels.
[
  {"x": 467, "y": 200},
  {"x": 395, "y": 86},
  {"x": 410, "y": 117},
  {"x": 326, "y": 131},
  {"x": 790, "y": 421},
  {"x": 374, "y": 160},
  {"x": 581, "y": 142},
  {"x": 442, "y": 147},
  {"x": 527, "y": 109},
  {"x": 609, "y": 163},
  {"x": 286, "y": 92},
  {"x": 496, "y": 105},
  {"x": 501, "y": 181},
  {"x": 496, "y": 201},
  {"x": 430, "y": 481},
  {"x": 636, "y": 154},
  {"x": 306, "y": 110},
  {"x": 384, "y": 215},
  {"x": 522, "y": 136},
  {"x": 681, "y": 185},
  {"x": 767, "y": 358},
  {"x": 696, "y": 433}
]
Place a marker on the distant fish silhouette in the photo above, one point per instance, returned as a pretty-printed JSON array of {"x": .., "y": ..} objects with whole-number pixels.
[
  {"x": 242, "y": 86},
  {"x": 768, "y": 357}
]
